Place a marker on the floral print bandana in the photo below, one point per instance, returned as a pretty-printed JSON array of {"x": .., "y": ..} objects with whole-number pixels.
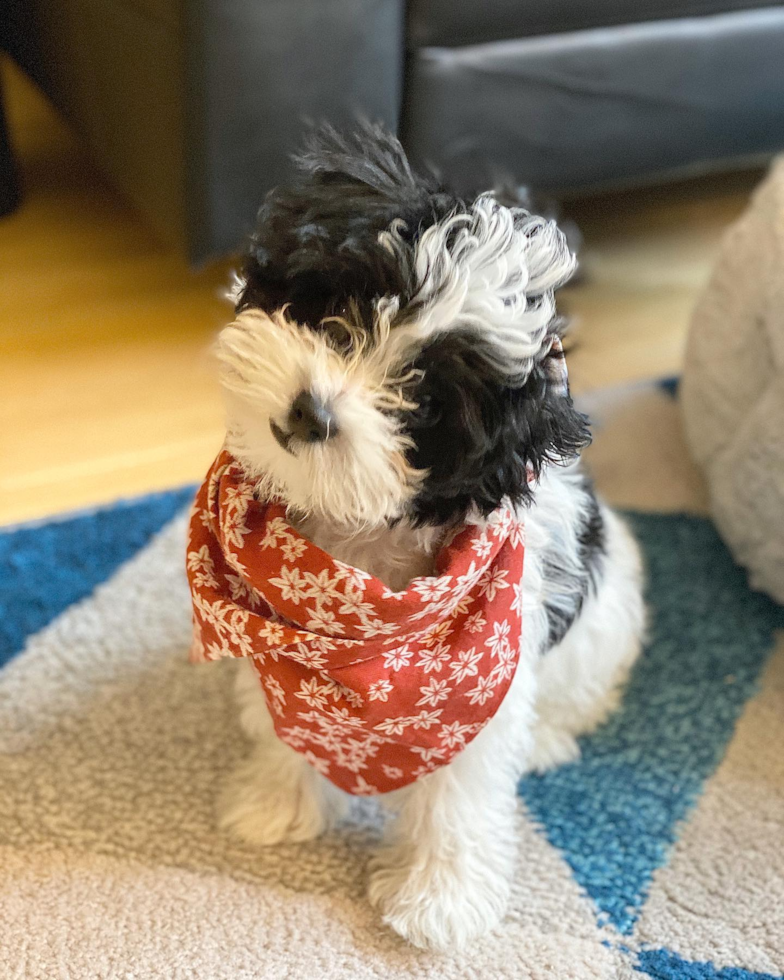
[{"x": 376, "y": 688}]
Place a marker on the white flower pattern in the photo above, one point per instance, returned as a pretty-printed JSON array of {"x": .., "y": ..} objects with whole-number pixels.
[
  {"x": 501, "y": 630},
  {"x": 398, "y": 658},
  {"x": 465, "y": 665},
  {"x": 291, "y": 584},
  {"x": 379, "y": 690},
  {"x": 435, "y": 691},
  {"x": 434, "y": 659}
]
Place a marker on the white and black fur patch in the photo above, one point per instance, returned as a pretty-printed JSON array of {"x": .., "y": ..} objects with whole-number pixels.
[{"x": 447, "y": 313}]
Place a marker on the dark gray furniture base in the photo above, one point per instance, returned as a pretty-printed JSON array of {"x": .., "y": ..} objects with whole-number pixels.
[
  {"x": 192, "y": 107},
  {"x": 9, "y": 185}
]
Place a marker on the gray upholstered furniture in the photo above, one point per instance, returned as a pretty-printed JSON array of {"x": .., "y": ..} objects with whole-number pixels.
[{"x": 193, "y": 106}]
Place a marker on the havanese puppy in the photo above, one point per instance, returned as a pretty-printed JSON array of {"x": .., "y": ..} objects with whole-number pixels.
[{"x": 397, "y": 539}]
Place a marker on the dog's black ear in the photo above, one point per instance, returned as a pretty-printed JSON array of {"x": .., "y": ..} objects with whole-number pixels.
[
  {"x": 551, "y": 430},
  {"x": 481, "y": 438}
]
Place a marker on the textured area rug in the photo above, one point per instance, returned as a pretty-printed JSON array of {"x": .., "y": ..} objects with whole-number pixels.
[{"x": 659, "y": 854}]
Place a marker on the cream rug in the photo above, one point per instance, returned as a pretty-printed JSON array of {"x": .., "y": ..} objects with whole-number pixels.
[{"x": 661, "y": 852}]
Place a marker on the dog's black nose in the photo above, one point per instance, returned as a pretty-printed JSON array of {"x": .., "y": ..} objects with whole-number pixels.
[{"x": 310, "y": 419}]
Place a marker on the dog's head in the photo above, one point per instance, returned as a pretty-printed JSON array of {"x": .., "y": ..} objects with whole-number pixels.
[{"x": 394, "y": 352}]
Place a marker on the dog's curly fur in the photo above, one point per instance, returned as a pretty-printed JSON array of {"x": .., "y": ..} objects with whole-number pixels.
[{"x": 422, "y": 325}]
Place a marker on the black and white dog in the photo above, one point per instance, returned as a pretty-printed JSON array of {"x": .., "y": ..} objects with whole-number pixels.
[{"x": 385, "y": 377}]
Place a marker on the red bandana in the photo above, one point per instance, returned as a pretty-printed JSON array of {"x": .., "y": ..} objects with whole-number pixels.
[{"x": 376, "y": 688}]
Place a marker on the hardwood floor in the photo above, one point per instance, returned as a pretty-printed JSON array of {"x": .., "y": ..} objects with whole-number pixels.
[{"x": 107, "y": 387}]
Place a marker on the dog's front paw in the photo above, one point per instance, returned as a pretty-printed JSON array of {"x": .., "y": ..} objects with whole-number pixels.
[
  {"x": 266, "y": 808},
  {"x": 552, "y": 747},
  {"x": 437, "y": 904},
  {"x": 280, "y": 814}
]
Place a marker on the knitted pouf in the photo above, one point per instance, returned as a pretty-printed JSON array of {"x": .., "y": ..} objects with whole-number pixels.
[{"x": 733, "y": 387}]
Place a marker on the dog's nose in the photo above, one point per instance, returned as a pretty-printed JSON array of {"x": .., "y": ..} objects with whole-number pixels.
[{"x": 310, "y": 419}]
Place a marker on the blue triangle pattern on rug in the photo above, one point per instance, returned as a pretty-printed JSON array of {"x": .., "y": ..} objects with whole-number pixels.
[
  {"x": 661, "y": 964},
  {"x": 614, "y": 814},
  {"x": 44, "y": 568},
  {"x": 670, "y": 385}
]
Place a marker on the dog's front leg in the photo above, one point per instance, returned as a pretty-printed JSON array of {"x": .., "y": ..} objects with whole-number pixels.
[
  {"x": 444, "y": 877},
  {"x": 275, "y": 795}
]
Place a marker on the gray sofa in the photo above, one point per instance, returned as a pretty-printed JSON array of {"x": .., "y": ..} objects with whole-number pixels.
[{"x": 193, "y": 106}]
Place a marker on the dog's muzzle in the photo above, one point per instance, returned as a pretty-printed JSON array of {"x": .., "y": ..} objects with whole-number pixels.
[{"x": 309, "y": 420}]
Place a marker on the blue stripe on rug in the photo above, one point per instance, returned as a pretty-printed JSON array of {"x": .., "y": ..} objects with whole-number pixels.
[
  {"x": 670, "y": 385},
  {"x": 661, "y": 964},
  {"x": 44, "y": 568},
  {"x": 614, "y": 814}
]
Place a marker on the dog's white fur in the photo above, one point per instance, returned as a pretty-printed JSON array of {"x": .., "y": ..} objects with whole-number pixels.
[{"x": 444, "y": 876}]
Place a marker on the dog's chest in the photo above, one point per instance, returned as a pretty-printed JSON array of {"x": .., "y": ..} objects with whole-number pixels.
[{"x": 395, "y": 555}]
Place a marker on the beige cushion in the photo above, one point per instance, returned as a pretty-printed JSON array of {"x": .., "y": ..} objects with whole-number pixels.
[{"x": 733, "y": 387}]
